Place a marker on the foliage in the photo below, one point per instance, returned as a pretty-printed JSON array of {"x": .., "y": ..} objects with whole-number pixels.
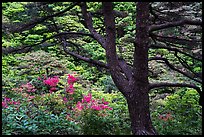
[
  {"x": 178, "y": 114},
  {"x": 58, "y": 110}
]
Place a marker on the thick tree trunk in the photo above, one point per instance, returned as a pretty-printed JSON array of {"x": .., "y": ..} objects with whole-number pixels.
[
  {"x": 138, "y": 106},
  {"x": 138, "y": 98},
  {"x": 134, "y": 83}
]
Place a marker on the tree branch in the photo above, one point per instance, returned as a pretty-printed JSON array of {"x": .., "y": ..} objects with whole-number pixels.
[
  {"x": 32, "y": 23},
  {"x": 89, "y": 24},
  {"x": 175, "y": 40},
  {"x": 89, "y": 60},
  {"x": 159, "y": 85},
  {"x": 175, "y": 69},
  {"x": 174, "y": 24},
  {"x": 156, "y": 46},
  {"x": 110, "y": 44},
  {"x": 27, "y": 48},
  {"x": 185, "y": 64}
]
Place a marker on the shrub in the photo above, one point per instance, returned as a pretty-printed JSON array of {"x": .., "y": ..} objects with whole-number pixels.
[{"x": 180, "y": 114}]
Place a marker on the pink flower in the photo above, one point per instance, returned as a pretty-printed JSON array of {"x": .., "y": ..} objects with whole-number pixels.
[
  {"x": 53, "y": 88},
  {"x": 16, "y": 102},
  {"x": 51, "y": 81},
  {"x": 33, "y": 90},
  {"x": 95, "y": 107},
  {"x": 105, "y": 103},
  {"x": 4, "y": 104},
  {"x": 70, "y": 89},
  {"x": 28, "y": 86},
  {"x": 7, "y": 99},
  {"x": 88, "y": 98},
  {"x": 11, "y": 102},
  {"x": 65, "y": 99},
  {"x": 79, "y": 106},
  {"x": 103, "y": 106},
  {"x": 71, "y": 79},
  {"x": 160, "y": 117}
]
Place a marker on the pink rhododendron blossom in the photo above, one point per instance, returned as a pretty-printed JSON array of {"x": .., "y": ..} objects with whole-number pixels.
[
  {"x": 4, "y": 104},
  {"x": 88, "y": 98},
  {"x": 70, "y": 89},
  {"x": 51, "y": 91},
  {"x": 11, "y": 102},
  {"x": 51, "y": 81},
  {"x": 95, "y": 107},
  {"x": 7, "y": 99},
  {"x": 33, "y": 90},
  {"x": 53, "y": 88},
  {"x": 103, "y": 106},
  {"x": 39, "y": 78},
  {"x": 71, "y": 79},
  {"x": 79, "y": 106},
  {"x": 65, "y": 99}
]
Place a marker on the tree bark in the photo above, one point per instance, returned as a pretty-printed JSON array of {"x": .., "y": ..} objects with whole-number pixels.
[
  {"x": 136, "y": 87},
  {"x": 138, "y": 98},
  {"x": 138, "y": 106}
]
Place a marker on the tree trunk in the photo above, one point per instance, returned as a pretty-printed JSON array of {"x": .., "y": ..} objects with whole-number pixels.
[
  {"x": 138, "y": 98},
  {"x": 134, "y": 83},
  {"x": 138, "y": 106}
]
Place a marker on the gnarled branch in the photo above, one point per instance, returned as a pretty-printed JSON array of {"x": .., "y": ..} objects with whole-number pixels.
[
  {"x": 165, "y": 84},
  {"x": 175, "y": 69},
  {"x": 110, "y": 45},
  {"x": 86, "y": 59},
  {"x": 174, "y": 24},
  {"x": 157, "y": 46},
  {"x": 32, "y": 23},
  {"x": 27, "y": 48},
  {"x": 89, "y": 25}
]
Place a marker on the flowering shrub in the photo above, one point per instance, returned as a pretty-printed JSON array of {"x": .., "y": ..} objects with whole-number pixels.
[
  {"x": 70, "y": 89},
  {"x": 94, "y": 104},
  {"x": 71, "y": 79},
  {"x": 84, "y": 111},
  {"x": 180, "y": 114},
  {"x": 28, "y": 87},
  {"x": 8, "y": 101},
  {"x": 52, "y": 83}
]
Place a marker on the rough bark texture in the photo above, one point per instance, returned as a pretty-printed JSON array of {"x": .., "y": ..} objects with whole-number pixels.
[
  {"x": 111, "y": 55},
  {"x": 135, "y": 86},
  {"x": 138, "y": 99}
]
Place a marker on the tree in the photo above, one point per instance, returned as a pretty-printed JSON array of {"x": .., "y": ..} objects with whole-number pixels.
[{"x": 132, "y": 78}]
